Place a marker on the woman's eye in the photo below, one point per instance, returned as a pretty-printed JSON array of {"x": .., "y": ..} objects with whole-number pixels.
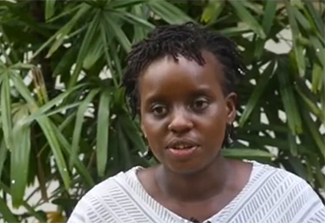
[
  {"x": 159, "y": 110},
  {"x": 200, "y": 104}
]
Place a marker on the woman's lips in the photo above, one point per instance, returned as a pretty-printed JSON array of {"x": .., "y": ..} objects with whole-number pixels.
[{"x": 183, "y": 153}]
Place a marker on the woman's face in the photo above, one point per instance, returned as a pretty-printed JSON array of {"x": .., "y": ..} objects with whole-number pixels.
[{"x": 184, "y": 112}]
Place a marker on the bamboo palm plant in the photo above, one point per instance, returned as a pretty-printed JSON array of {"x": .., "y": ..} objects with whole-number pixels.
[{"x": 63, "y": 117}]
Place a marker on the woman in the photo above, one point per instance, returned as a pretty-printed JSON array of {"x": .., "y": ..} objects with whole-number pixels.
[{"x": 180, "y": 80}]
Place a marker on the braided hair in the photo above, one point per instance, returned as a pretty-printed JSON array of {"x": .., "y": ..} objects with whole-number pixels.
[{"x": 187, "y": 40}]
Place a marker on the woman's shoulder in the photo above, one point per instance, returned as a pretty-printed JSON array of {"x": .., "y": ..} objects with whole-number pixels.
[
  {"x": 275, "y": 177},
  {"x": 287, "y": 193},
  {"x": 103, "y": 197},
  {"x": 108, "y": 186},
  {"x": 262, "y": 169},
  {"x": 123, "y": 177}
]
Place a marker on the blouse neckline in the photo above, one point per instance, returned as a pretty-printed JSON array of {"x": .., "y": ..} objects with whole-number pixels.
[{"x": 168, "y": 215}]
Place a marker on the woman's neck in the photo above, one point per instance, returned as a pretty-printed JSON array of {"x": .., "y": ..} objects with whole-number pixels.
[{"x": 200, "y": 186}]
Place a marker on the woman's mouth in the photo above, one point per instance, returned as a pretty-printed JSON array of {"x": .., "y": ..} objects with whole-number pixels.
[{"x": 182, "y": 150}]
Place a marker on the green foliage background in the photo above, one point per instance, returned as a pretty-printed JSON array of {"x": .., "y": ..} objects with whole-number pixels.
[{"x": 63, "y": 117}]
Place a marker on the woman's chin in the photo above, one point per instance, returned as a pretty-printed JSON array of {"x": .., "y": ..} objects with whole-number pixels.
[{"x": 185, "y": 168}]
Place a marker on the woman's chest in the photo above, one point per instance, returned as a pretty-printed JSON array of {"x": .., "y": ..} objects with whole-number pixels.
[{"x": 201, "y": 211}]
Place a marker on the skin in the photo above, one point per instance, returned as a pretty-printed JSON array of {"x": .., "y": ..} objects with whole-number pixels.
[{"x": 183, "y": 100}]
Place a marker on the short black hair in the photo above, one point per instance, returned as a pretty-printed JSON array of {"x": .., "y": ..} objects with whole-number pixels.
[{"x": 187, "y": 40}]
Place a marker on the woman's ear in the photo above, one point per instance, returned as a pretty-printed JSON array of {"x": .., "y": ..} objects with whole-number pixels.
[{"x": 231, "y": 100}]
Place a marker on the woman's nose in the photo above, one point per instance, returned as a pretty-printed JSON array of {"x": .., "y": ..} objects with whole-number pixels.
[{"x": 180, "y": 122}]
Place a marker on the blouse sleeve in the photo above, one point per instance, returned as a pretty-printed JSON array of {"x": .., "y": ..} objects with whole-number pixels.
[
  {"x": 301, "y": 202},
  {"x": 313, "y": 211},
  {"x": 79, "y": 214},
  {"x": 318, "y": 216}
]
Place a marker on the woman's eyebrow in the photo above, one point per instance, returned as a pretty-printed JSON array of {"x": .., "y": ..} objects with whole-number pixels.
[{"x": 205, "y": 90}]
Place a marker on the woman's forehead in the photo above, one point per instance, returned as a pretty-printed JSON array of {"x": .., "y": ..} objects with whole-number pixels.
[
  {"x": 183, "y": 77},
  {"x": 168, "y": 69}
]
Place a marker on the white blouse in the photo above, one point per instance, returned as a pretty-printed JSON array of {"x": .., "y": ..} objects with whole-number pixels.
[{"x": 271, "y": 195}]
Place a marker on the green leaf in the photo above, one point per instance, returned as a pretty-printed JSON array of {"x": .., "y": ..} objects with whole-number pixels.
[
  {"x": 269, "y": 16},
  {"x": 256, "y": 8},
  {"x": 54, "y": 102},
  {"x": 278, "y": 142},
  {"x": 310, "y": 172},
  {"x": 49, "y": 8},
  {"x": 119, "y": 34},
  {"x": 67, "y": 121},
  {"x": 212, "y": 11},
  {"x": 140, "y": 32},
  {"x": 322, "y": 97},
  {"x": 288, "y": 99},
  {"x": 6, "y": 109},
  {"x": 65, "y": 12},
  {"x": 63, "y": 109},
  {"x": 315, "y": 16},
  {"x": 106, "y": 40},
  {"x": 270, "y": 12},
  {"x": 20, "y": 160},
  {"x": 123, "y": 147},
  {"x": 260, "y": 127},
  {"x": 79, "y": 122},
  {"x": 319, "y": 174},
  {"x": 22, "y": 89},
  {"x": 311, "y": 105},
  {"x": 88, "y": 40},
  {"x": 103, "y": 123},
  {"x": 133, "y": 19},
  {"x": 114, "y": 153},
  {"x": 317, "y": 78},
  {"x": 244, "y": 152},
  {"x": 168, "y": 12},
  {"x": 3, "y": 155},
  {"x": 6, "y": 213},
  {"x": 82, "y": 170},
  {"x": 299, "y": 169},
  {"x": 319, "y": 48},
  {"x": 302, "y": 20},
  {"x": 117, "y": 63},
  {"x": 22, "y": 66},
  {"x": 52, "y": 139},
  {"x": 257, "y": 92},
  {"x": 74, "y": 76},
  {"x": 297, "y": 47},
  {"x": 247, "y": 17},
  {"x": 66, "y": 62},
  {"x": 124, "y": 3},
  {"x": 314, "y": 133},
  {"x": 44, "y": 45},
  {"x": 51, "y": 39},
  {"x": 94, "y": 53},
  {"x": 62, "y": 34},
  {"x": 24, "y": 204},
  {"x": 234, "y": 31},
  {"x": 293, "y": 144},
  {"x": 132, "y": 132}
]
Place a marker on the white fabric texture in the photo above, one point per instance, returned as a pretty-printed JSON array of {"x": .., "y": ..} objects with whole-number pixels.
[{"x": 271, "y": 195}]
